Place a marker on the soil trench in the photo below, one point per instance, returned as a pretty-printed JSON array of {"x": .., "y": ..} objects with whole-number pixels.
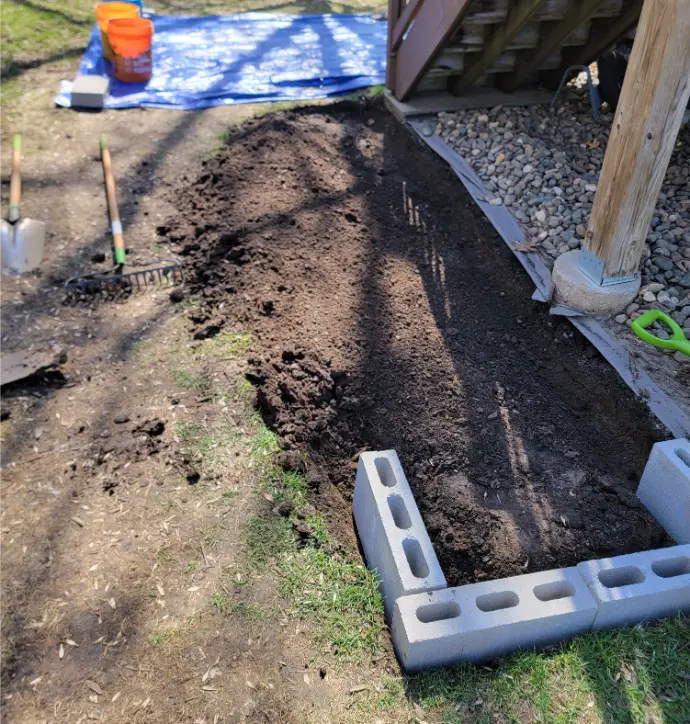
[{"x": 388, "y": 314}]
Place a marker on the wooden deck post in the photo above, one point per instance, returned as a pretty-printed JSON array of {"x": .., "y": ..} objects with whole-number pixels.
[{"x": 653, "y": 99}]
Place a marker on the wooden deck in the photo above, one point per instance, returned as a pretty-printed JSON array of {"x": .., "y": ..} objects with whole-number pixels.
[{"x": 452, "y": 45}]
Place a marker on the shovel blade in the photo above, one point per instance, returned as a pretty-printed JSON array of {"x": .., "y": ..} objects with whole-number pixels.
[
  {"x": 7, "y": 253},
  {"x": 22, "y": 245}
]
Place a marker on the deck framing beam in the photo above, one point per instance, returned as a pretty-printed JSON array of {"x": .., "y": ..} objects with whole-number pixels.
[
  {"x": 604, "y": 34},
  {"x": 527, "y": 62},
  {"x": 519, "y": 15}
]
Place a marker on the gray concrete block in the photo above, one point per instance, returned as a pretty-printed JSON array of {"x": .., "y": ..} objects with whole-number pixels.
[
  {"x": 89, "y": 91},
  {"x": 576, "y": 289},
  {"x": 391, "y": 531},
  {"x": 665, "y": 487},
  {"x": 639, "y": 586},
  {"x": 482, "y": 621}
]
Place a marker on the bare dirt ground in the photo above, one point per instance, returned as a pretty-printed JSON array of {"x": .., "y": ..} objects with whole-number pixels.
[
  {"x": 129, "y": 477},
  {"x": 128, "y": 591},
  {"x": 388, "y": 315}
]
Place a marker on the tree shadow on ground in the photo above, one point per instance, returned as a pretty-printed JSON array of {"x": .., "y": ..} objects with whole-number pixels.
[
  {"x": 481, "y": 393},
  {"x": 56, "y": 12},
  {"x": 15, "y": 68}
]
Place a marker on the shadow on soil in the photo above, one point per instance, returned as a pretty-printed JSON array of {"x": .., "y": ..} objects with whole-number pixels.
[
  {"x": 522, "y": 446},
  {"x": 16, "y": 67},
  {"x": 40, "y": 304}
]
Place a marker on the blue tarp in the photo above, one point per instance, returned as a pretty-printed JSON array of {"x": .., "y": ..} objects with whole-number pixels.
[{"x": 248, "y": 58}]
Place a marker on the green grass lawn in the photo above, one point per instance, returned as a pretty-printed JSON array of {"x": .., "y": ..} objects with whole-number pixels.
[
  {"x": 627, "y": 676},
  {"x": 35, "y": 33}
]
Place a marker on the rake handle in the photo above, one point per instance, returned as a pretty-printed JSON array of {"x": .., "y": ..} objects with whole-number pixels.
[
  {"x": 15, "y": 180},
  {"x": 115, "y": 223}
]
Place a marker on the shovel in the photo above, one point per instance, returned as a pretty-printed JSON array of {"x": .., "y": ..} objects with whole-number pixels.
[
  {"x": 22, "y": 239},
  {"x": 677, "y": 342}
]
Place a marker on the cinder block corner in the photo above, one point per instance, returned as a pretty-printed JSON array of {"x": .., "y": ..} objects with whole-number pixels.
[
  {"x": 391, "y": 531},
  {"x": 665, "y": 487},
  {"x": 639, "y": 587},
  {"x": 482, "y": 621}
]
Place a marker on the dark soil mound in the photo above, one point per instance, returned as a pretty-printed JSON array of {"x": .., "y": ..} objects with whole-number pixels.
[{"x": 388, "y": 314}]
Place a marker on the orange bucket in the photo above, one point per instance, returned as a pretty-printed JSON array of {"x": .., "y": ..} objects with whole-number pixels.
[
  {"x": 105, "y": 12},
  {"x": 130, "y": 39}
]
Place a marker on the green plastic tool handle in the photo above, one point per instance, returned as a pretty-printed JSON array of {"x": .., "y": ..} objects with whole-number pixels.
[
  {"x": 678, "y": 341},
  {"x": 15, "y": 180}
]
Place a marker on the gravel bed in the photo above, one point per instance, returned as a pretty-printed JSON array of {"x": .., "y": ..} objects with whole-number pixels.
[{"x": 544, "y": 166}]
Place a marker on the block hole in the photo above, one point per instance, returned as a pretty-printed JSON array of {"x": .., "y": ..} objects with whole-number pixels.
[
  {"x": 438, "y": 612},
  {"x": 617, "y": 577},
  {"x": 671, "y": 567},
  {"x": 554, "y": 591},
  {"x": 399, "y": 512},
  {"x": 415, "y": 558},
  {"x": 497, "y": 601},
  {"x": 683, "y": 455},
  {"x": 385, "y": 471}
]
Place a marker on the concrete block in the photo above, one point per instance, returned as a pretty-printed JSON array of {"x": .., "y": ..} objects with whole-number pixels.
[
  {"x": 665, "y": 487},
  {"x": 90, "y": 91},
  {"x": 481, "y": 621},
  {"x": 391, "y": 531},
  {"x": 639, "y": 586},
  {"x": 573, "y": 288}
]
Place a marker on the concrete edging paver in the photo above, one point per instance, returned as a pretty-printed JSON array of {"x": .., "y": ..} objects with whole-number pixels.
[
  {"x": 665, "y": 487},
  {"x": 481, "y": 621},
  {"x": 391, "y": 531},
  {"x": 433, "y": 625}
]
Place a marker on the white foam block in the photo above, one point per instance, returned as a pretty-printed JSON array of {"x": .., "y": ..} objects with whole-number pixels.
[
  {"x": 481, "y": 621},
  {"x": 391, "y": 531},
  {"x": 90, "y": 91}
]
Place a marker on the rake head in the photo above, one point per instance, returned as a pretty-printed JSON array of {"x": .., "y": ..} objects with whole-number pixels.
[{"x": 166, "y": 273}]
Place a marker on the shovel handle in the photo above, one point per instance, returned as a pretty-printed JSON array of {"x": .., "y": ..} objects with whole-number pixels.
[
  {"x": 115, "y": 223},
  {"x": 15, "y": 180},
  {"x": 678, "y": 341}
]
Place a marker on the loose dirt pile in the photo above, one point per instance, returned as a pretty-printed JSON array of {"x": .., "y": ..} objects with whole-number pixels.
[{"x": 387, "y": 314}]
